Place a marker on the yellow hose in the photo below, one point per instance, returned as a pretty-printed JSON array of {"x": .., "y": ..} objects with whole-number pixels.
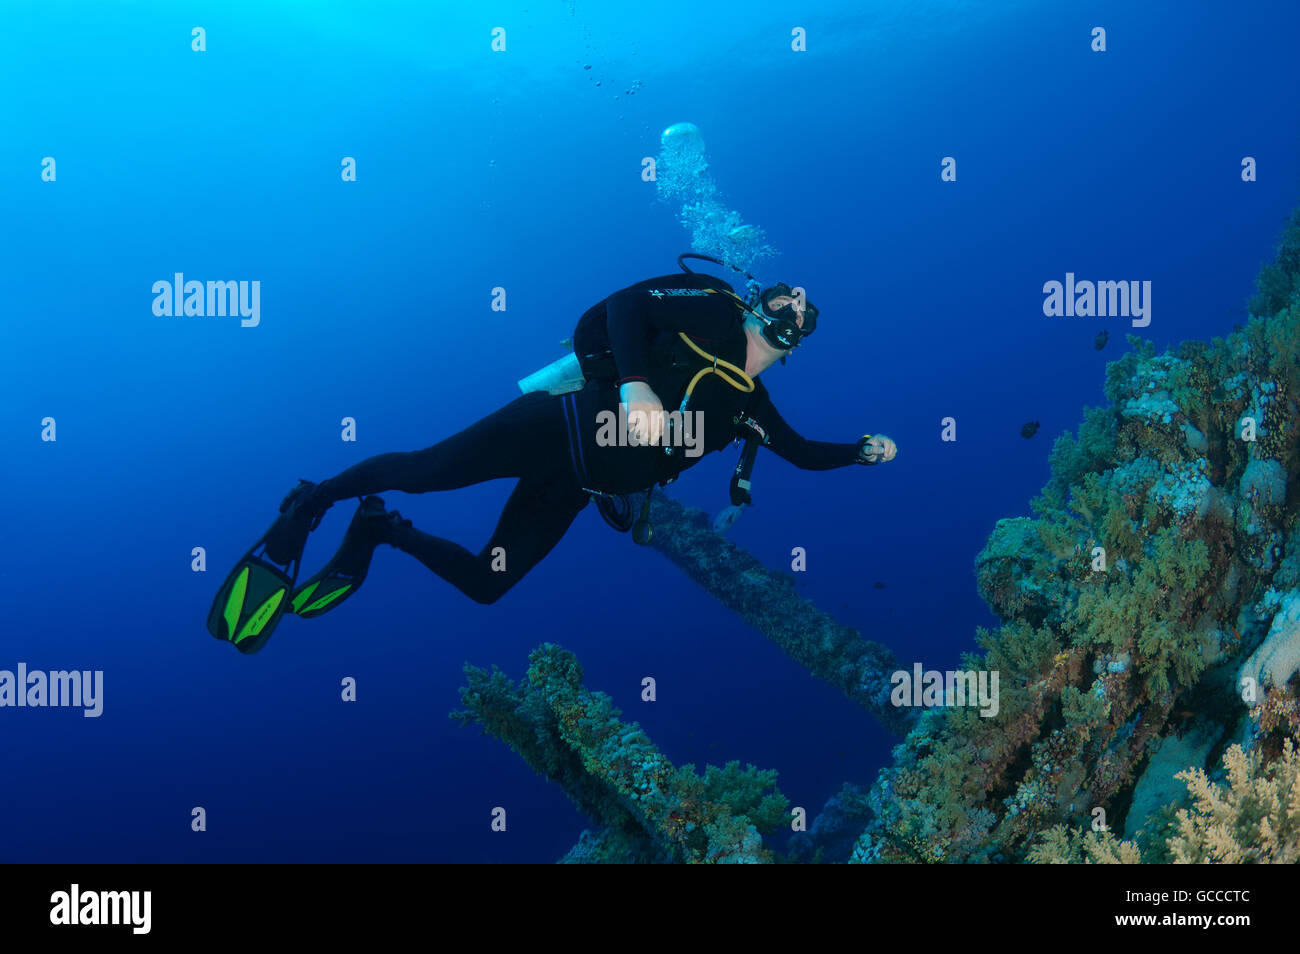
[{"x": 746, "y": 384}]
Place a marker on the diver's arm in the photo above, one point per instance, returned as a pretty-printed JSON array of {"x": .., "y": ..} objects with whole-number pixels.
[
  {"x": 632, "y": 313},
  {"x": 798, "y": 450}
]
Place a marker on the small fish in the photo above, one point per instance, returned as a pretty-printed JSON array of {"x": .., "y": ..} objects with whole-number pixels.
[
  {"x": 566, "y": 343},
  {"x": 1099, "y": 342},
  {"x": 879, "y": 584},
  {"x": 1029, "y": 430}
]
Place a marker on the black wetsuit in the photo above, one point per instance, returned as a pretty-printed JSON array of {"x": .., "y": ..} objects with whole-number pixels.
[{"x": 550, "y": 442}]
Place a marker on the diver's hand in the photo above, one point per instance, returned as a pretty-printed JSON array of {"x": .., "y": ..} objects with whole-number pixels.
[
  {"x": 876, "y": 448},
  {"x": 645, "y": 427}
]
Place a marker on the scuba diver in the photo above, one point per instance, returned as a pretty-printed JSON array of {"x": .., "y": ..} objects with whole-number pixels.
[{"x": 687, "y": 338}]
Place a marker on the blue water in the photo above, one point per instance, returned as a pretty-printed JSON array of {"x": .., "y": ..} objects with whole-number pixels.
[{"x": 522, "y": 170}]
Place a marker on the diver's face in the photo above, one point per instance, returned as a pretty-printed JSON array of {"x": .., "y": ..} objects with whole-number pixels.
[{"x": 777, "y": 302}]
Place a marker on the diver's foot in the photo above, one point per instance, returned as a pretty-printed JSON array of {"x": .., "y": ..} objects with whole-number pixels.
[
  {"x": 300, "y": 514},
  {"x": 396, "y": 525},
  {"x": 368, "y": 528},
  {"x": 378, "y": 524},
  {"x": 338, "y": 579}
]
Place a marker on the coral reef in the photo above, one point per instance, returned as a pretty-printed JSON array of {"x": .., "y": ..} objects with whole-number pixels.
[
  {"x": 1160, "y": 785},
  {"x": 1279, "y": 281},
  {"x": 767, "y": 601},
  {"x": 1254, "y": 819},
  {"x": 1061, "y": 846},
  {"x": 1278, "y": 658},
  {"x": 1161, "y": 569},
  {"x": 614, "y": 846},
  {"x": 832, "y": 835},
  {"x": 650, "y": 809}
]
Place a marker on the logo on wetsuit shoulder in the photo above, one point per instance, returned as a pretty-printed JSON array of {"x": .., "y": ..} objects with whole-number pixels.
[{"x": 680, "y": 292}]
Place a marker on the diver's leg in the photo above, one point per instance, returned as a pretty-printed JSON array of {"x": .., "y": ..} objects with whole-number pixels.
[
  {"x": 527, "y": 437},
  {"x": 534, "y": 519}
]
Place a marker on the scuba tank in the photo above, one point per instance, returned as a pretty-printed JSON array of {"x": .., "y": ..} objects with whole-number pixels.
[{"x": 558, "y": 377}]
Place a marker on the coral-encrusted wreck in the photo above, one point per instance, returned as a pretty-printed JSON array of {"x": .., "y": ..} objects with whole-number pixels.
[{"x": 1150, "y": 635}]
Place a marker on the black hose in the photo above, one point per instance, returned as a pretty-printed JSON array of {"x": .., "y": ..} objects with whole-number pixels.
[{"x": 617, "y": 511}]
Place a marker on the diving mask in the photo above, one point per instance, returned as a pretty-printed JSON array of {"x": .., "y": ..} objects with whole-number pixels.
[{"x": 781, "y": 326}]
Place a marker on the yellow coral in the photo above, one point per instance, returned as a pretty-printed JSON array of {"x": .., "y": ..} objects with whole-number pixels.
[
  {"x": 1108, "y": 850},
  {"x": 1061, "y": 845},
  {"x": 1255, "y": 819}
]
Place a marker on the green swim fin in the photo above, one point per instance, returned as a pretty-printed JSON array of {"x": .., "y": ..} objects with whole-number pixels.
[
  {"x": 255, "y": 595},
  {"x": 346, "y": 570}
]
